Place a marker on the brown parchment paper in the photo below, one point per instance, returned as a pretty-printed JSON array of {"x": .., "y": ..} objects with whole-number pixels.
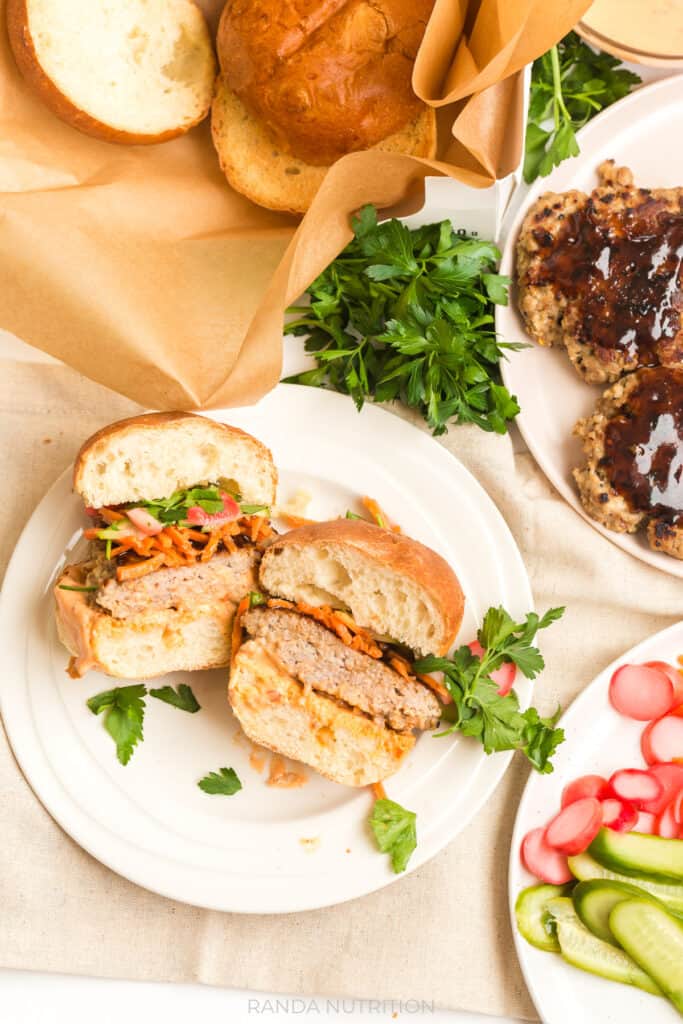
[{"x": 139, "y": 266}]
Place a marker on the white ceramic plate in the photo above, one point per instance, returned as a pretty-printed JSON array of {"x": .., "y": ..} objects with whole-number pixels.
[
  {"x": 149, "y": 821},
  {"x": 599, "y": 742},
  {"x": 644, "y": 132}
]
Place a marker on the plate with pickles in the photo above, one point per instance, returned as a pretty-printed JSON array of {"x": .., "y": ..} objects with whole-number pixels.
[{"x": 596, "y": 864}]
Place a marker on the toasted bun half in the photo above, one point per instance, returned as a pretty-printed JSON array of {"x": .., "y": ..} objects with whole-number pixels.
[
  {"x": 130, "y": 71},
  {"x": 276, "y": 711},
  {"x": 391, "y": 584},
  {"x": 262, "y": 169},
  {"x": 153, "y": 455},
  {"x": 325, "y": 78},
  {"x": 146, "y": 645}
]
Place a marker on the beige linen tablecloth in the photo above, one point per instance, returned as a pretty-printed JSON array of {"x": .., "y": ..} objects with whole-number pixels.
[{"x": 441, "y": 934}]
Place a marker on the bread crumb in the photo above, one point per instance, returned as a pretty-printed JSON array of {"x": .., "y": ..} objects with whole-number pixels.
[
  {"x": 347, "y": 850},
  {"x": 296, "y": 505},
  {"x": 310, "y": 845},
  {"x": 47, "y": 440},
  {"x": 282, "y": 777},
  {"x": 257, "y": 759}
]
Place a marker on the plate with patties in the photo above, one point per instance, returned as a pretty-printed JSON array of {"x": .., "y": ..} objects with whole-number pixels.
[
  {"x": 578, "y": 376},
  {"x": 265, "y": 849}
]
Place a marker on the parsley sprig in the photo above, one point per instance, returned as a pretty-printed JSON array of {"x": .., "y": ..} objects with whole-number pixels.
[
  {"x": 224, "y": 782},
  {"x": 478, "y": 710},
  {"x": 395, "y": 832},
  {"x": 124, "y": 712},
  {"x": 408, "y": 314},
  {"x": 570, "y": 84}
]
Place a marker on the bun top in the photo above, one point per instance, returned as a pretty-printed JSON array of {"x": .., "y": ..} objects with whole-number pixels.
[
  {"x": 151, "y": 456},
  {"x": 391, "y": 584},
  {"x": 326, "y": 76}
]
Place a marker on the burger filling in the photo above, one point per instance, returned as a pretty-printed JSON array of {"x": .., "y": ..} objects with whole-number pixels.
[
  {"x": 201, "y": 544},
  {"x": 327, "y": 652}
]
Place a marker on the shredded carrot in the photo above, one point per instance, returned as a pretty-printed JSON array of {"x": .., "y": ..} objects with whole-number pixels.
[
  {"x": 400, "y": 665},
  {"x": 212, "y": 546},
  {"x": 378, "y": 791},
  {"x": 237, "y": 625},
  {"x": 438, "y": 688},
  {"x": 196, "y": 535},
  {"x": 135, "y": 570},
  {"x": 92, "y": 533},
  {"x": 110, "y": 515},
  {"x": 254, "y": 528},
  {"x": 378, "y": 514},
  {"x": 295, "y": 521}
]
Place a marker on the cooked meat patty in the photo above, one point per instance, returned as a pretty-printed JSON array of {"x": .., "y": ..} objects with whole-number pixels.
[
  {"x": 228, "y": 576},
  {"x": 633, "y": 475},
  {"x": 321, "y": 661},
  {"x": 602, "y": 275}
]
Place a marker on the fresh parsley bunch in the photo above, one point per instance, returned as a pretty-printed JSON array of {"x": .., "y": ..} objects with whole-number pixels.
[
  {"x": 408, "y": 314},
  {"x": 570, "y": 84},
  {"x": 478, "y": 709}
]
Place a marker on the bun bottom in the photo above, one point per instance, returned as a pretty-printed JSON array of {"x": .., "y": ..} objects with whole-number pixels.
[
  {"x": 256, "y": 167},
  {"x": 276, "y": 711},
  {"x": 143, "y": 646}
]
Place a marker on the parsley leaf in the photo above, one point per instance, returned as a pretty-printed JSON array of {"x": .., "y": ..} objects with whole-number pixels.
[
  {"x": 570, "y": 84},
  {"x": 407, "y": 315},
  {"x": 124, "y": 710},
  {"x": 183, "y": 698},
  {"x": 395, "y": 832},
  {"x": 224, "y": 782},
  {"x": 478, "y": 710},
  {"x": 175, "y": 508}
]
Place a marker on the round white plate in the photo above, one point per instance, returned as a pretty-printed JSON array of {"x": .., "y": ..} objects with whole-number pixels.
[
  {"x": 149, "y": 821},
  {"x": 599, "y": 741},
  {"x": 644, "y": 131}
]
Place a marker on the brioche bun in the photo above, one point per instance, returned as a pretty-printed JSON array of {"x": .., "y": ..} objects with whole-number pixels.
[
  {"x": 326, "y": 78},
  {"x": 151, "y": 456},
  {"x": 134, "y": 71},
  {"x": 277, "y": 712},
  {"x": 391, "y": 584},
  {"x": 264, "y": 172},
  {"x": 145, "y": 646}
]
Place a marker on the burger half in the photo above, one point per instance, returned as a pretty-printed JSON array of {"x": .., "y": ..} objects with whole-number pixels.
[
  {"x": 179, "y": 508},
  {"x": 324, "y": 670}
]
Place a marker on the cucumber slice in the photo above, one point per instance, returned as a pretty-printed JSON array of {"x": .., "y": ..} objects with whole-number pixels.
[
  {"x": 639, "y": 855},
  {"x": 584, "y": 867},
  {"x": 533, "y": 920},
  {"x": 581, "y": 948},
  {"x": 655, "y": 941},
  {"x": 594, "y": 901}
]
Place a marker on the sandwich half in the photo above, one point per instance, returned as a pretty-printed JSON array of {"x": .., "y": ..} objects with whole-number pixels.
[
  {"x": 179, "y": 508},
  {"x": 323, "y": 673}
]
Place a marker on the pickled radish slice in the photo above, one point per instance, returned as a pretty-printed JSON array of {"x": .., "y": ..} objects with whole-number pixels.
[
  {"x": 674, "y": 674},
  {"x": 619, "y": 814},
  {"x": 636, "y": 786},
  {"x": 542, "y": 860},
  {"x": 678, "y": 807},
  {"x": 663, "y": 740},
  {"x": 576, "y": 826},
  {"x": 144, "y": 521},
  {"x": 586, "y": 785},
  {"x": 667, "y": 826},
  {"x": 671, "y": 778},
  {"x": 646, "y": 823},
  {"x": 641, "y": 692},
  {"x": 503, "y": 677}
]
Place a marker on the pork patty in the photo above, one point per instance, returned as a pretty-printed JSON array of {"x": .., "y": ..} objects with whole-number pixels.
[
  {"x": 602, "y": 275},
  {"x": 633, "y": 473},
  {"x": 320, "y": 660},
  {"x": 228, "y": 576}
]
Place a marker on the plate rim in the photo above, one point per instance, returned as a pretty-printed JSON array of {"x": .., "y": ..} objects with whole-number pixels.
[
  {"x": 641, "y": 551},
  {"x": 599, "y": 681},
  {"x": 494, "y": 767}
]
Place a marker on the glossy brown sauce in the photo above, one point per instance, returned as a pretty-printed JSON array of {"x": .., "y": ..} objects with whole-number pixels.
[
  {"x": 621, "y": 268},
  {"x": 644, "y": 445}
]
